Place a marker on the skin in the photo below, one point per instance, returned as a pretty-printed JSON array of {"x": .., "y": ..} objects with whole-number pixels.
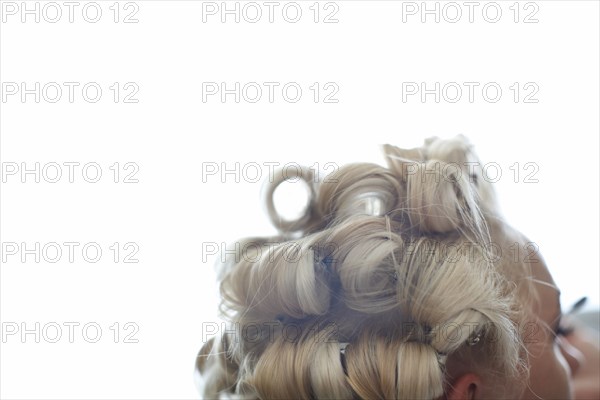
[
  {"x": 582, "y": 345},
  {"x": 551, "y": 367},
  {"x": 561, "y": 367}
]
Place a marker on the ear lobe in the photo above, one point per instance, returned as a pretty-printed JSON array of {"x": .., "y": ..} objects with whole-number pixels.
[{"x": 466, "y": 387}]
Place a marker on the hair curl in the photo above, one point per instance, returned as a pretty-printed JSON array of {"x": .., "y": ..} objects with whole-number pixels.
[{"x": 392, "y": 261}]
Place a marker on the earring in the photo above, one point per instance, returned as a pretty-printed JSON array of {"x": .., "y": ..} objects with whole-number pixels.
[
  {"x": 343, "y": 347},
  {"x": 474, "y": 340}
]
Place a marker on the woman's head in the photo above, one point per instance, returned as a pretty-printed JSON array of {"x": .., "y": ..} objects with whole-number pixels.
[{"x": 397, "y": 282}]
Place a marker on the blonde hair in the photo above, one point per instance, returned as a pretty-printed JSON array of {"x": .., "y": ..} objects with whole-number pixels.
[{"x": 387, "y": 274}]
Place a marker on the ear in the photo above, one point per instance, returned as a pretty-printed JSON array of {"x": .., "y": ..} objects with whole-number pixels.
[{"x": 466, "y": 387}]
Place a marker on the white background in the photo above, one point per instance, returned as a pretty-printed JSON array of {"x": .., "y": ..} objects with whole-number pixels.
[{"x": 170, "y": 132}]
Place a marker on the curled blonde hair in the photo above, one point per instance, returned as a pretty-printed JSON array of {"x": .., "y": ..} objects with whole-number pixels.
[{"x": 387, "y": 274}]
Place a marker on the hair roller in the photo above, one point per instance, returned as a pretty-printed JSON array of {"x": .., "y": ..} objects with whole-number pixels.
[
  {"x": 246, "y": 249},
  {"x": 456, "y": 151},
  {"x": 359, "y": 189},
  {"x": 216, "y": 367},
  {"x": 392, "y": 368},
  {"x": 303, "y": 365},
  {"x": 440, "y": 200},
  {"x": 286, "y": 280},
  {"x": 288, "y": 174},
  {"x": 399, "y": 159},
  {"x": 459, "y": 152},
  {"x": 327, "y": 376},
  {"x": 420, "y": 375},
  {"x": 371, "y": 366},
  {"x": 367, "y": 271}
]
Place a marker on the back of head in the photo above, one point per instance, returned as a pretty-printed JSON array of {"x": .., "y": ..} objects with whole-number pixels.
[{"x": 386, "y": 276}]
